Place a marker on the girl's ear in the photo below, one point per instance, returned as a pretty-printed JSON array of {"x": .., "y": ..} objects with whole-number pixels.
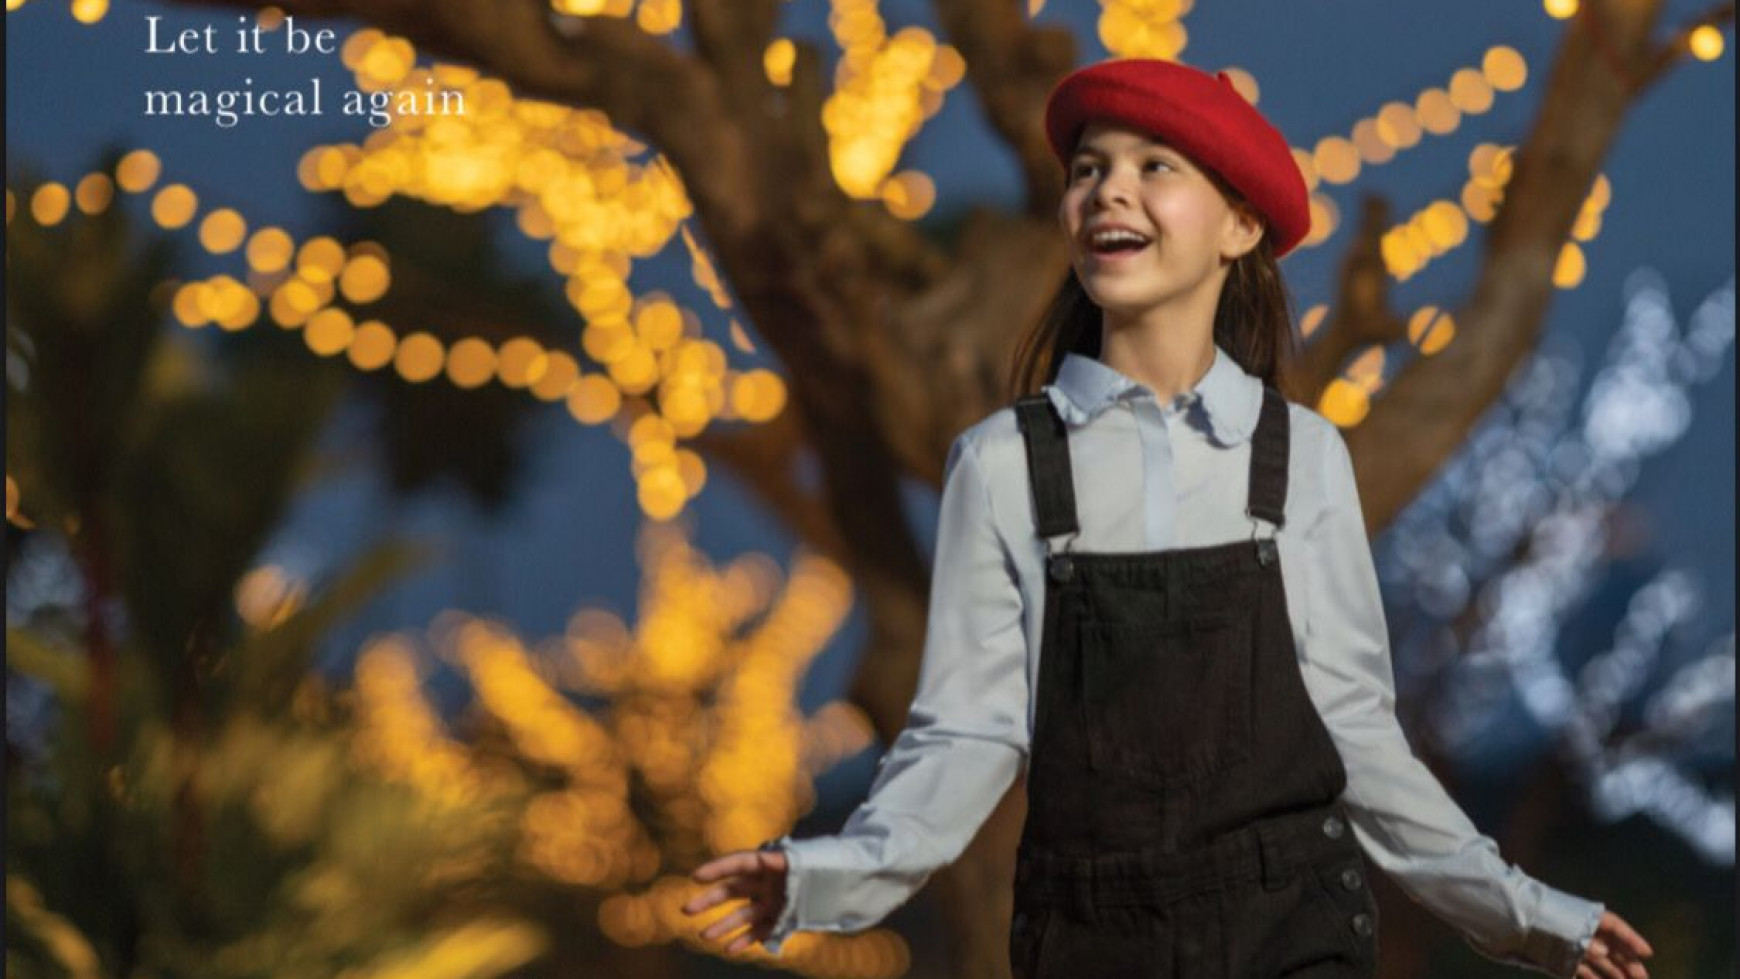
[{"x": 1244, "y": 230}]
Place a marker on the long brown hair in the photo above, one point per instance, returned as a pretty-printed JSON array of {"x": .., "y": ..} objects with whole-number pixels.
[{"x": 1253, "y": 320}]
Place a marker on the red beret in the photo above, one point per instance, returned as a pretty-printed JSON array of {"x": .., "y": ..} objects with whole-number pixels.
[{"x": 1203, "y": 116}]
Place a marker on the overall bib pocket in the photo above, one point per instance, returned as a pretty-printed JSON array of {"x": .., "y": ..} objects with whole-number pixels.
[{"x": 1168, "y": 702}]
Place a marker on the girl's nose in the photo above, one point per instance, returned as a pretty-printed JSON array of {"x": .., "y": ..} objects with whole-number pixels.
[{"x": 1111, "y": 188}]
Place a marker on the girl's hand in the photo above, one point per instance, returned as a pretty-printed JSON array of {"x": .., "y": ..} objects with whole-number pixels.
[
  {"x": 1616, "y": 952},
  {"x": 759, "y": 876}
]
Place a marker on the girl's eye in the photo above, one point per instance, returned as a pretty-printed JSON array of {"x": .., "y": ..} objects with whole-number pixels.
[{"x": 1081, "y": 170}]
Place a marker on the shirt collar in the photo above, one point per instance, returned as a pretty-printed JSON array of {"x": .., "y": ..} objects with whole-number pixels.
[{"x": 1224, "y": 403}]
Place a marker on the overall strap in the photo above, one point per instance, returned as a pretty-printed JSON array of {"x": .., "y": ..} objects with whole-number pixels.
[
  {"x": 1268, "y": 493},
  {"x": 1048, "y": 470}
]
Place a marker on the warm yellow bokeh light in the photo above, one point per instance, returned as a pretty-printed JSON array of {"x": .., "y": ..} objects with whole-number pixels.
[
  {"x": 1445, "y": 225},
  {"x": 778, "y": 59},
  {"x": 186, "y": 305},
  {"x": 94, "y": 193},
  {"x": 659, "y": 16},
  {"x": 328, "y": 332},
  {"x": 1568, "y": 271},
  {"x": 222, "y": 231},
  {"x": 471, "y": 363},
  {"x": 365, "y": 279},
  {"x": 1344, "y": 403},
  {"x": 269, "y": 250},
  {"x": 1705, "y": 42},
  {"x": 1504, "y": 68},
  {"x": 49, "y": 204},
  {"x": 238, "y": 306},
  {"x": 1336, "y": 160},
  {"x": 1436, "y": 113},
  {"x": 659, "y": 324},
  {"x": 320, "y": 259},
  {"x": 1397, "y": 126},
  {"x": 560, "y": 372},
  {"x": 1470, "y": 92},
  {"x": 758, "y": 395},
  {"x": 137, "y": 171},
  {"x": 89, "y": 11},
  {"x": 372, "y": 346},
  {"x": 1430, "y": 329},
  {"x": 174, "y": 206},
  {"x": 300, "y": 295},
  {"x": 1560, "y": 9},
  {"x": 909, "y": 195},
  {"x": 419, "y": 357},
  {"x": 593, "y": 399},
  {"x": 520, "y": 362},
  {"x": 1372, "y": 147},
  {"x": 661, "y": 492}
]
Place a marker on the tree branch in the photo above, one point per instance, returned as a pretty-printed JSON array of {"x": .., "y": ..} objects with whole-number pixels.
[
  {"x": 1432, "y": 403},
  {"x": 732, "y": 38},
  {"x": 1360, "y": 315},
  {"x": 1012, "y": 66}
]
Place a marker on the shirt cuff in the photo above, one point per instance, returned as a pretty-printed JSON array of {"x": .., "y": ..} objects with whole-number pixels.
[
  {"x": 1558, "y": 936},
  {"x": 1563, "y": 928}
]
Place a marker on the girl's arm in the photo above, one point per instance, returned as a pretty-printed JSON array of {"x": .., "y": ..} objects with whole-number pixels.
[
  {"x": 965, "y": 736},
  {"x": 1404, "y": 819}
]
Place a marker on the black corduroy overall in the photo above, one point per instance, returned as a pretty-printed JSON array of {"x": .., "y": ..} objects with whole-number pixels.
[{"x": 1183, "y": 793}]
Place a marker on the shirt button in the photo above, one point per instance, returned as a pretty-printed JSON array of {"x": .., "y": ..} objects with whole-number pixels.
[
  {"x": 1362, "y": 925},
  {"x": 1020, "y": 920},
  {"x": 1350, "y": 879},
  {"x": 1333, "y": 827}
]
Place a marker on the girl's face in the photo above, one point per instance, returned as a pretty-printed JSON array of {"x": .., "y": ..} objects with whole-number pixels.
[{"x": 1190, "y": 231}]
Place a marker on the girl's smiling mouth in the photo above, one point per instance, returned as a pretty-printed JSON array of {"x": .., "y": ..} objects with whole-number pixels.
[{"x": 1113, "y": 243}]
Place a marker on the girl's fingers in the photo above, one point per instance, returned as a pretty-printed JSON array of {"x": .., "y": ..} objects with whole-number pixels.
[
  {"x": 712, "y": 896},
  {"x": 1606, "y": 969},
  {"x": 1628, "y": 960},
  {"x": 742, "y": 942},
  {"x": 1626, "y": 934},
  {"x": 739, "y": 862},
  {"x": 1584, "y": 971},
  {"x": 731, "y": 922}
]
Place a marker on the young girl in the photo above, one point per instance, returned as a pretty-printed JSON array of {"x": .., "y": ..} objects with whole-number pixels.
[{"x": 1153, "y": 587}]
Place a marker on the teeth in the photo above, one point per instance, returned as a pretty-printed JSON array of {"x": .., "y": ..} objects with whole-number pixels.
[{"x": 1102, "y": 239}]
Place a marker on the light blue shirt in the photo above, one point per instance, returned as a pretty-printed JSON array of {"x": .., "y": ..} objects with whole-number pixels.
[{"x": 1153, "y": 476}]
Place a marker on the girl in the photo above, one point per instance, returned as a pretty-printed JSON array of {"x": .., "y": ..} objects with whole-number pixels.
[{"x": 1171, "y": 559}]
